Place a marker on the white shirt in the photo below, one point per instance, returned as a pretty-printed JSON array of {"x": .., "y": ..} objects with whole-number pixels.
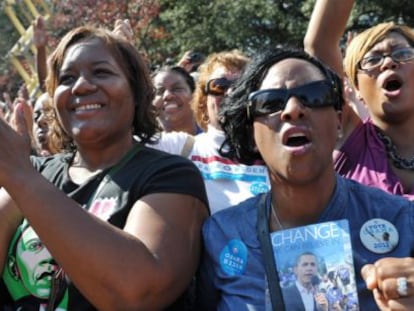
[
  {"x": 307, "y": 297},
  {"x": 227, "y": 182}
]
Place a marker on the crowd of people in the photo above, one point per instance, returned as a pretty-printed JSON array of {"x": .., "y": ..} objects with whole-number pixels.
[{"x": 126, "y": 188}]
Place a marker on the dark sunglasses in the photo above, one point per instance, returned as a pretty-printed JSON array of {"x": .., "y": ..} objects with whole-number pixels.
[
  {"x": 313, "y": 95},
  {"x": 218, "y": 87}
]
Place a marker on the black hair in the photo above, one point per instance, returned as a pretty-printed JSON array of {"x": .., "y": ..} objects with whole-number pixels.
[
  {"x": 180, "y": 71},
  {"x": 234, "y": 120}
]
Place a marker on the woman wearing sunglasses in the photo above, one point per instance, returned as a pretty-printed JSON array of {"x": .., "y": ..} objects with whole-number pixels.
[
  {"x": 227, "y": 182},
  {"x": 286, "y": 110},
  {"x": 379, "y": 64}
]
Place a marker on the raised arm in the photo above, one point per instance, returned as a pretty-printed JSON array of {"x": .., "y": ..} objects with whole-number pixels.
[
  {"x": 325, "y": 29},
  {"x": 145, "y": 265},
  {"x": 40, "y": 39},
  {"x": 322, "y": 40},
  {"x": 123, "y": 28}
]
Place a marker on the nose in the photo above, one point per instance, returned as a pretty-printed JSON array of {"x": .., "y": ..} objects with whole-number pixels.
[
  {"x": 388, "y": 62},
  {"x": 167, "y": 93},
  {"x": 293, "y": 110},
  {"x": 83, "y": 85}
]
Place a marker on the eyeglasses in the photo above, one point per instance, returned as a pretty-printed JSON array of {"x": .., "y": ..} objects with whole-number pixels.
[
  {"x": 376, "y": 60},
  {"x": 218, "y": 87},
  {"x": 313, "y": 95}
]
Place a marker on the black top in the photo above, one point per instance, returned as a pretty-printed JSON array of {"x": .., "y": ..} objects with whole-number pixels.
[{"x": 109, "y": 195}]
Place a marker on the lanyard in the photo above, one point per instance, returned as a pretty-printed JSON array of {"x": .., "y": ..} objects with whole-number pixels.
[{"x": 273, "y": 281}]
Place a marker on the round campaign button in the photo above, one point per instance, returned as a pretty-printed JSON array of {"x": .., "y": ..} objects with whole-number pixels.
[
  {"x": 233, "y": 258},
  {"x": 258, "y": 187},
  {"x": 379, "y": 236}
]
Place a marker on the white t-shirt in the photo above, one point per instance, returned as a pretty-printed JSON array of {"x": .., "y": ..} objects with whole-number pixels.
[{"x": 227, "y": 182}]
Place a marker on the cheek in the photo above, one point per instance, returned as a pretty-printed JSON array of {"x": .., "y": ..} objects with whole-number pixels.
[
  {"x": 186, "y": 98},
  {"x": 157, "y": 102},
  {"x": 62, "y": 99},
  {"x": 328, "y": 132},
  {"x": 265, "y": 135},
  {"x": 367, "y": 87},
  {"x": 59, "y": 97}
]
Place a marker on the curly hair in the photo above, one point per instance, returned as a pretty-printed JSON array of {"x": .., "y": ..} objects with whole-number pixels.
[
  {"x": 231, "y": 60},
  {"x": 239, "y": 143},
  {"x": 145, "y": 124}
]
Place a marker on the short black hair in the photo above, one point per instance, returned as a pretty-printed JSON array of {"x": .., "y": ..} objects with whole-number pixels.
[{"x": 181, "y": 72}]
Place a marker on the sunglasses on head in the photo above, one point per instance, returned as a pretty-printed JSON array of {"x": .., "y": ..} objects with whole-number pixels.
[
  {"x": 218, "y": 87},
  {"x": 313, "y": 95}
]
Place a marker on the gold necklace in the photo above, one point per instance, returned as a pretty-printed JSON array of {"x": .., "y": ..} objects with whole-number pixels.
[{"x": 276, "y": 218}]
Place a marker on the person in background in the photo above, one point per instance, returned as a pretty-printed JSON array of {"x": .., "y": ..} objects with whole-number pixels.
[
  {"x": 379, "y": 64},
  {"x": 122, "y": 221},
  {"x": 227, "y": 182},
  {"x": 174, "y": 89},
  {"x": 285, "y": 109},
  {"x": 40, "y": 125}
]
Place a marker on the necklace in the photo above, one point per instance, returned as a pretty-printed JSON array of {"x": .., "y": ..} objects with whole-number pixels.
[
  {"x": 397, "y": 161},
  {"x": 275, "y": 217}
]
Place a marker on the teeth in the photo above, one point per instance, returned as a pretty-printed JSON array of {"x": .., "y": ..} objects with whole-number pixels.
[
  {"x": 296, "y": 135},
  {"x": 88, "y": 107},
  {"x": 170, "y": 106}
]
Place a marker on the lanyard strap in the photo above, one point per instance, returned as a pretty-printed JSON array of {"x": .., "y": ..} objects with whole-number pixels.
[
  {"x": 111, "y": 172},
  {"x": 270, "y": 264}
]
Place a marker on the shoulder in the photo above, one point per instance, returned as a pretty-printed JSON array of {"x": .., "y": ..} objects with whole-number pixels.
[
  {"x": 290, "y": 290},
  {"x": 364, "y": 133},
  {"x": 171, "y": 142},
  {"x": 161, "y": 158},
  {"x": 372, "y": 197},
  {"x": 51, "y": 162},
  {"x": 237, "y": 213},
  {"x": 155, "y": 171},
  {"x": 238, "y": 221}
]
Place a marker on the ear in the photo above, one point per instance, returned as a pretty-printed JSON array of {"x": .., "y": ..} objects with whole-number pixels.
[{"x": 12, "y": 267}]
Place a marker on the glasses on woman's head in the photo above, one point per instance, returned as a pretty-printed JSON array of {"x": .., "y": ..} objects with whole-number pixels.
[
  {"x": 218, "y": 87},
  {"x": 375, "y": 60},
  {"x": 316, "y": 94}
]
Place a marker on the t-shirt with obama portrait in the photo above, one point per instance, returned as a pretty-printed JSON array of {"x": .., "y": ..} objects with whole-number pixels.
[{"x": 31, "y": 275}]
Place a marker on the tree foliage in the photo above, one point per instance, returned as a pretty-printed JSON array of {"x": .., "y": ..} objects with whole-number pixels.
[{"x": 167, "y": 28}]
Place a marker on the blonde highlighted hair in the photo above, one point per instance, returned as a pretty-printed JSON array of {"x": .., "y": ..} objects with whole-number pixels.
[{"x": 365, "y": 41}]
